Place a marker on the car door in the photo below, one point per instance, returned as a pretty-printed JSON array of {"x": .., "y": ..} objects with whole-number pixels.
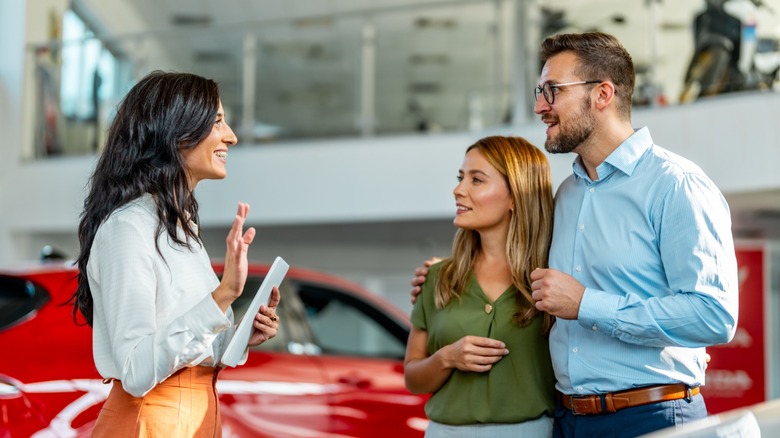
[
  {"x": 362, "y": 348},
  {"x": 282, "y": 389}
]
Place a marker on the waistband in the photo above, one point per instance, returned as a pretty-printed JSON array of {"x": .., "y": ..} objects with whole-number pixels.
[
  {"x": 192, "y": 376},
  {"x": 615, "y": 401},
  {"x": 186, "y": 377}
]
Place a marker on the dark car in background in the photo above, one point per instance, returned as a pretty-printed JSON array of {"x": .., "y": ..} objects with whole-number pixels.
[{"x": 334, "y": 369}]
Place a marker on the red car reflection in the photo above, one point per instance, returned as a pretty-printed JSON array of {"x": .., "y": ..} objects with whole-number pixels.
[{"x": 334, "y": 369}]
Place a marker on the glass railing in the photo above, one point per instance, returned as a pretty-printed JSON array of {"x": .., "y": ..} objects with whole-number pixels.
[
  {"x": 423, "y": 70},
  {"x": 449, "y": 67}
]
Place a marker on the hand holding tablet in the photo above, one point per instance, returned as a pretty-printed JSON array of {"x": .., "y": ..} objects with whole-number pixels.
[{"x": 240, "y": 340}]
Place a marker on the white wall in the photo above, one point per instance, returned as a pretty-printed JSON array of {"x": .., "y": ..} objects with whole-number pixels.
[{"x": 734, "y": 138}]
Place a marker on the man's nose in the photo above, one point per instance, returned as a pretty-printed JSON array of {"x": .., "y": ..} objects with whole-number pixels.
[{"x": 541, "y": 105}]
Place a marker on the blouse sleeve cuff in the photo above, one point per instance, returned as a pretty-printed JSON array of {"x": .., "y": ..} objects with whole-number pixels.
[{"x": 207, "y": 316}]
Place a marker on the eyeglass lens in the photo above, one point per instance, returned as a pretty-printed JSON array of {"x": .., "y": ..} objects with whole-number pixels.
[{"x": 546, "y": 91}]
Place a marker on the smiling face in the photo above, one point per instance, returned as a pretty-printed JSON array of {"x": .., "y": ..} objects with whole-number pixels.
[
  {"x": 570, "y": 119},
  {"x": 207, "y": 160},
  {"x": 482, "y": 196}
]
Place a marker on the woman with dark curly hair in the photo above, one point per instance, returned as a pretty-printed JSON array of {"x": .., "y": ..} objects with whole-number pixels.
[{"x": 161, "y": 318}]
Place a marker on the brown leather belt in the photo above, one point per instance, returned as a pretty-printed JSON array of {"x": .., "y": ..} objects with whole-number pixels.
[{"x": 615, "y": 401}]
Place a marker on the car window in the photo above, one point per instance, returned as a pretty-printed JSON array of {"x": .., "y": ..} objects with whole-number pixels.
[
  {"x": 19, "y": 299},
  {"x": 292, "y": 327},
  {"x": 343, "y": 324}
]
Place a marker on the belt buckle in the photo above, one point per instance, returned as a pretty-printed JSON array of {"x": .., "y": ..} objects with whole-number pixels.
[{"x": 574, "y": 405}]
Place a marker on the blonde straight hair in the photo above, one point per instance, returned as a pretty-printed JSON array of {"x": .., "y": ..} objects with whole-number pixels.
[{"x": 526, "y": 172}]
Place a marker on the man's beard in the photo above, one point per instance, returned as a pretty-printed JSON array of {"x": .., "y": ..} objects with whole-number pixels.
[{"x": 574, "y": 133}]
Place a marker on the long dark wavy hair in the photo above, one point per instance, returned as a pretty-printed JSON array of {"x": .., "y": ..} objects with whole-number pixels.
[{"x": 161, "y": 115}]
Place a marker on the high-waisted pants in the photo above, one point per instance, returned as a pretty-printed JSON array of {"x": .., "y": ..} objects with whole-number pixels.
[{"x": 183, "y": 405}]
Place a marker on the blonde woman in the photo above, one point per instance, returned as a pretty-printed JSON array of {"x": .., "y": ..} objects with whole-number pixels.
[{"x": 478, "y": 343}]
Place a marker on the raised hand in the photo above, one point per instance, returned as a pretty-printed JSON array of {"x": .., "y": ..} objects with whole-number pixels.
[{"x": 236, "y": 263}]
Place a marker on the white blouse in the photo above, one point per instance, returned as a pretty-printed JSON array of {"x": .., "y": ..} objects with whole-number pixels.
[{"x": 152, "y": 315}]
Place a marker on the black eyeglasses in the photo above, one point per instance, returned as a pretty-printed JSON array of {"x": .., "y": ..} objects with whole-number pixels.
[{"x": 550, "y": 90}]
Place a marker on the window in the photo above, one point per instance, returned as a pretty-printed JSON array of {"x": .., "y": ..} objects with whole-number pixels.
[
  {"x": 289, "y": 325},
  {"x": 79, "y": 81},
  {"x": 315, "y": 319},
  {"x": 19, "y": 299},
  {"x": 345, "y": 325},
  {"x": 88, "y": 70}
]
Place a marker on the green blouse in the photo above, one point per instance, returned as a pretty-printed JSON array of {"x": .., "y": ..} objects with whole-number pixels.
[{"x": 519, "y": 387}]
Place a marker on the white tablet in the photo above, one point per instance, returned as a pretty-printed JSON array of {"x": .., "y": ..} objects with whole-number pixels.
[{"x": 240, "y": 340}]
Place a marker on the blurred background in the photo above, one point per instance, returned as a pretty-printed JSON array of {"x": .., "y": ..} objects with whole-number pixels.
[{"x": 353, "y": 116}]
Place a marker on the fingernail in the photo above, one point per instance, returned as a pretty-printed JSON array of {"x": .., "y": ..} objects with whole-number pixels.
[{"x": 506, "y": 352}]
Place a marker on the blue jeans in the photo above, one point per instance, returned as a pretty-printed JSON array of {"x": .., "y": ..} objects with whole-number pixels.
[{"x": 629, "y": 422}]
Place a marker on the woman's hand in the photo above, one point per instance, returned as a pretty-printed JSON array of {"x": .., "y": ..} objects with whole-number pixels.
[
  {"x": 266, "y": 320},
  {"x": 424, "y": 374},
  {"x": 236, "y": 264},
  {"x": 474, "y": 353}
]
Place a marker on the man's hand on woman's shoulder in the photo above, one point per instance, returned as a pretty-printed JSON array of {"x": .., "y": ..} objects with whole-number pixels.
[{"x": 419, "y": 277}]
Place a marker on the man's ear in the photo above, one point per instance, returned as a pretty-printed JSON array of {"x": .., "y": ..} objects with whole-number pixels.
[{"x": 606, "y": 94}]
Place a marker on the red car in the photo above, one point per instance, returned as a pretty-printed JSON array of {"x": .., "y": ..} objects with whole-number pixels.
[{"x": 334, "y": 369}]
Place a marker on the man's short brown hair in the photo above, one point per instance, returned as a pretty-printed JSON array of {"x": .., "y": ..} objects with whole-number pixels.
[{"x": 601, "y": 57}]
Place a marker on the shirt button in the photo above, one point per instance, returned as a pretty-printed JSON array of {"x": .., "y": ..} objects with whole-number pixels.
[
  {"x": 594, "y": 327},
  {"x": 578, "y": 269},
  {"x": 592, "y": 190},
  {"x": 582, "y": 226},
  {"x": 488, "y": 308},
  {"x": 579, "y": 389},
  {"x": 574, "y": 349}
]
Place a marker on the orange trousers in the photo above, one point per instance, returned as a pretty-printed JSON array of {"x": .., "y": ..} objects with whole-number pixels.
[{"x": 183, "y": 405}]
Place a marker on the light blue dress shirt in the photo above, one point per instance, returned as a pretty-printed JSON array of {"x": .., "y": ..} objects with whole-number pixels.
[{"x": 651, "y": 242}]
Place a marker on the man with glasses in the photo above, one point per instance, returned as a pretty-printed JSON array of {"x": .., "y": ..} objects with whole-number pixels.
[{"x": 642, "y": 272}]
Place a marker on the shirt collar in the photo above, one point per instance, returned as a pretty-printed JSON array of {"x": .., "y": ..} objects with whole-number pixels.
[{"x": 625, "y": 158}]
